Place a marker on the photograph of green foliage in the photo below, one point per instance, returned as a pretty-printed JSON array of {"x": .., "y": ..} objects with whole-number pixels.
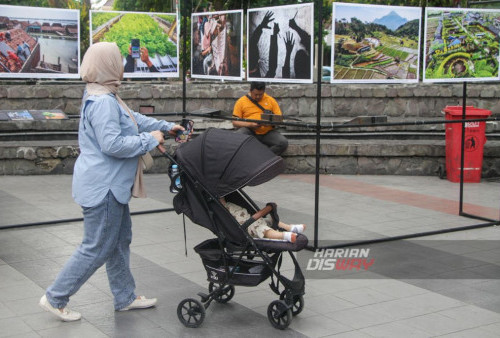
[
  {"x": 375, "y": 43},
  {"x": 461, "y": 45},
  {"x": 147, "y": 41}
]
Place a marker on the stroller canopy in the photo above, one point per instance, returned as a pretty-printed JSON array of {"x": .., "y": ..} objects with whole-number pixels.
[{"x": 225, "y": 161}]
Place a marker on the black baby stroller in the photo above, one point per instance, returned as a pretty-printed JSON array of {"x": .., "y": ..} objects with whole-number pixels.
[{"x": 217, "y": 164}]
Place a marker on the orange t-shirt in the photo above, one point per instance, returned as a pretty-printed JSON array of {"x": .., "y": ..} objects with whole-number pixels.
[{"x": 246, "y": 109}]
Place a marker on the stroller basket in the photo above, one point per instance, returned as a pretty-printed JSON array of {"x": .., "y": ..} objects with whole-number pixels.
[{"x": 246, "y": 272}]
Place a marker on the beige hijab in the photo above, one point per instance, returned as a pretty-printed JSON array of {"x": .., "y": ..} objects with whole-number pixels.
[{"x": 102, "y": 69}]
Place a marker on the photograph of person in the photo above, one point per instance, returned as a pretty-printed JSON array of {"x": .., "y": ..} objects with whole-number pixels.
[
  {"x": 280, "y": 43},
  {"x": 216, "y": 45},
  {"x": 39, "y": 42},
  {"x": 148, "y": 42}
]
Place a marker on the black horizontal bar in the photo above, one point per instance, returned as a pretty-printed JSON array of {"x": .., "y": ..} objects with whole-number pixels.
[
  {"x": 408, "y": 236},
  {"x": 486, "y": 219},
  {"x": 483, "y": 2},
  {"x": 70, "y": 220}
]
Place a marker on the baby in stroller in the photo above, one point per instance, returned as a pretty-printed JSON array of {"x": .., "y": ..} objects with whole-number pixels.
[{"x": 261, "y": 228}]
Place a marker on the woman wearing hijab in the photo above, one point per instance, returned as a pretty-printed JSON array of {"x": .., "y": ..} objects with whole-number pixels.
[{"x": 107, "y": 173}]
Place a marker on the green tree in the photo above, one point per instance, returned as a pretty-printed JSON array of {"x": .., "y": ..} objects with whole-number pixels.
[
  {"x": 161, "y": 6},
  {"x": 358, "y": 28},
  {"x": 83, "y": 6}
]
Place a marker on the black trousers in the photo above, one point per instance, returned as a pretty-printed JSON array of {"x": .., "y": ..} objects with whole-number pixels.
[{"x": 276, "y": 142}]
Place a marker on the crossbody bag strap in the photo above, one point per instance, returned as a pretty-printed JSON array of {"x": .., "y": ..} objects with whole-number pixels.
[
  {"x": 256, "y": 103},
  {"x": 262, "y": 108}
]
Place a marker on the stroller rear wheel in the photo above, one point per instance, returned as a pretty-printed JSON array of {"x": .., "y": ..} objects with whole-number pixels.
[
  {"x": 191, "y": 312},
  {"x": 298, "y": 303},
  {"x": 279, "y": 314},
  {"x": 227, "y": 293}
]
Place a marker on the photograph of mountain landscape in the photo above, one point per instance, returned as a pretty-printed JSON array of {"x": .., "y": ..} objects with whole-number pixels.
[
  {"x": 375, "y": 43},
  {"x": 461, "y": 45}
]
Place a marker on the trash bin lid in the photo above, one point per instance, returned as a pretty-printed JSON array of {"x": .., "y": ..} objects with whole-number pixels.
[{"x": 469, "y": 111}]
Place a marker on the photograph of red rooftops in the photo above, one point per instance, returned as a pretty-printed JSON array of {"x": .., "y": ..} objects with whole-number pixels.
[{"x": 39, "y": 42}]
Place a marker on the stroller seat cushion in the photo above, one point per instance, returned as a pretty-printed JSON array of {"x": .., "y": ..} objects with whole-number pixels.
[{"x": 268, "y": 245}]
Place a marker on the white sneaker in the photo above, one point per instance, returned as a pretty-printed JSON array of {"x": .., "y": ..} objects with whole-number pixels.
[
  {"x": 140, "y": 303},
  {"x": 66, "y": 315}
]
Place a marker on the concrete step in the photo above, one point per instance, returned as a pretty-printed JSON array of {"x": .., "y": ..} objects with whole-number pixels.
[{"x": 337, "y": 156}]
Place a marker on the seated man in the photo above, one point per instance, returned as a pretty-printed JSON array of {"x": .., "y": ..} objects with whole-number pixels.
[{"x": 247, "y": 107}]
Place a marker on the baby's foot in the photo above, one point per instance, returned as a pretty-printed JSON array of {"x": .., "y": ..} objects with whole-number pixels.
[
  {"x": 297, "y": 228},
  {"x": 290, "y": 236}
]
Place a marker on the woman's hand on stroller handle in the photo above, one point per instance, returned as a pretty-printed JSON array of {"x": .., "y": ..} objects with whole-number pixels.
[
  {"x": 166, "y": 134},
  {"x": 160, "y": 137}
]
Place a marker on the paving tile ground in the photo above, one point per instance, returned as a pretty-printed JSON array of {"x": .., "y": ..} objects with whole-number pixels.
[{"x": 443, "y": 285}]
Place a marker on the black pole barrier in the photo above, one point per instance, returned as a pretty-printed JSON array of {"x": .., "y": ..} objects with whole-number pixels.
[
  {"x": 318, "y": 121},
  {"x": 331, "y": 125},
  {"x": 486, "y": 219},
  {"x": 80, "y": 219},
  {"x": 462, "y": 146},
  {"x": 422, "y": 33},
  {"x": 184, "y": 13},
  {"x": 462, "y": 150},
  {"x": 485, "y": 2},
  {"x": 415, "y": 235}
]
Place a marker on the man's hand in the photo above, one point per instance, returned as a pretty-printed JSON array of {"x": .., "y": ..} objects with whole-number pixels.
[
  {"x": 145, "y": 56},
  {"x": 243, "y": 124},
  {"x": 253, "y": 125}
]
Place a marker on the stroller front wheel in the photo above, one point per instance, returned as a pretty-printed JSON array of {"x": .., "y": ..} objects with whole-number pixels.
[
  {"x": 191, "y": 312},
  {"x": 225, "y": 295},
  {"x": 279, "y": 314},
  {"x": 298, "y": 303}
]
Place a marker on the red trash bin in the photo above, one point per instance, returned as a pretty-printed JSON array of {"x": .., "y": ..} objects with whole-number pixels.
[{"x": 475, "y": 139}]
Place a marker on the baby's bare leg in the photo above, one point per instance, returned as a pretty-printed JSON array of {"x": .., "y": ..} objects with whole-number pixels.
[
  {"x": 273, "y": 234},
  {"x": 297, "y": 228},
  {"x": 285, "y": 226}
]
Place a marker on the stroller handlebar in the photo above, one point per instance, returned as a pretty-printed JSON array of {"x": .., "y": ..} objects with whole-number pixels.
[
  {"x": 263, "y": 212},
  {"x": 161, "y": 148}
]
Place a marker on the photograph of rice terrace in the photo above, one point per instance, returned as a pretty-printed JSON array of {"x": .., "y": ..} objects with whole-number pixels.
[
  {"x": 147, "y": 41},
  {"x": 375, "y": 43},
  {"x": 461, "y": 44}
]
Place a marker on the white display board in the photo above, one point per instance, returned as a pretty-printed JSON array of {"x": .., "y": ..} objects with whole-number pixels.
[{"x": 39, "y": 42}]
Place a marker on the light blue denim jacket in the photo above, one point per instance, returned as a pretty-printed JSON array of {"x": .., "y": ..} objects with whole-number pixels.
[{"x": 110, "y": 146}]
